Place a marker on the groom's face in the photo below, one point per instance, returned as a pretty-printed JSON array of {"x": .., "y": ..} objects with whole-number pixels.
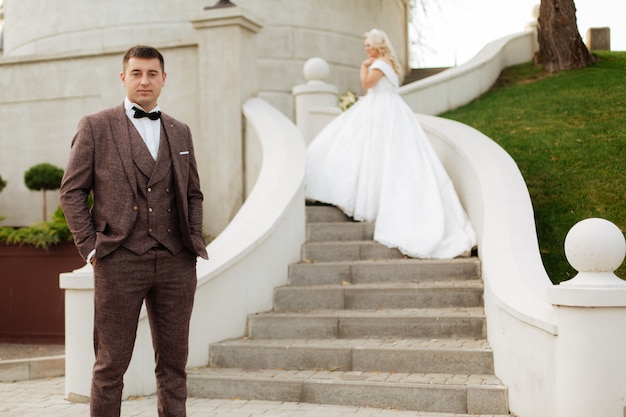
[{"x": 143, "y": 79}]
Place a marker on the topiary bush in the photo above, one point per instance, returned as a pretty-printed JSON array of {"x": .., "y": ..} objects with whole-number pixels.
[{"x": 42, "y": 177}]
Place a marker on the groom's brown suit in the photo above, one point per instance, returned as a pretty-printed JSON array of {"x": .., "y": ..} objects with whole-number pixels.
[
  {"x": 145, "y": 227},
  {"x": 102, "y": 159}
]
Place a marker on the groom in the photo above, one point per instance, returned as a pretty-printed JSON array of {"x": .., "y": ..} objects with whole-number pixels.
[{"x": 142, "y": 235}]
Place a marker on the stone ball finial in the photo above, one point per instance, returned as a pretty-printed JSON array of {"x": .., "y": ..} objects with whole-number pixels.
[
  {"x": 595, "y": 248},
  {"x": 316, "y": 70},
  {"x": 595, "y": 245}
]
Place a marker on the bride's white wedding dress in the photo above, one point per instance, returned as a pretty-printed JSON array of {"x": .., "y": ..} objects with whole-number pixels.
[{"x": 375, "y": 163}]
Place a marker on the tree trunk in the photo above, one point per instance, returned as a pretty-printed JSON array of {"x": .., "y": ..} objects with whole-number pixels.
[
  {"x": 45, "y": 206},
  {"x": 560, "y": 44}
]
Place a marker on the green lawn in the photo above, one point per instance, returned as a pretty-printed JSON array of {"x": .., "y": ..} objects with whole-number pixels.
[{"x": 567, "y": 133}]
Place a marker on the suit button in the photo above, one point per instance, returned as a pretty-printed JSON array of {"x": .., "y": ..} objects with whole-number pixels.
[
  {"x": 150, "y": 230},
  {"x": 150, "y": 209},
  {"x": 149, "y": 189},
  {"x": 169, "y": 230},
  {"x": 169, "y": 210},
  {"x": 135, "y": 208},
  {"x": 167, "y": 190}
]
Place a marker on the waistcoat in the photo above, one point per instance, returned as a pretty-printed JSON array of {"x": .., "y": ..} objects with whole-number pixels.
[{"x": 157, "y": 220}]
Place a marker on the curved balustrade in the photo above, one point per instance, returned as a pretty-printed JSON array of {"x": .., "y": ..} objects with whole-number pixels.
[
  {"x": 250, "y": 257},
  {"x": 520, "y": 322},
  {"x": 558, "y": 348},
  {"x": 458, "y": 86}
]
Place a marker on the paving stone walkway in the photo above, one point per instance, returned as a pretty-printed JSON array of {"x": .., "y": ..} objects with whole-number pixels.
[{"x": 44, "y": 397}]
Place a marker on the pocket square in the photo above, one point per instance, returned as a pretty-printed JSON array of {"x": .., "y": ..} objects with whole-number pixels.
[{"x": 184, "y": 153}]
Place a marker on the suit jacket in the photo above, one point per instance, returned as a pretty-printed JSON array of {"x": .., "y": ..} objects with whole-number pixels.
[{"x": 101, "y": 162}]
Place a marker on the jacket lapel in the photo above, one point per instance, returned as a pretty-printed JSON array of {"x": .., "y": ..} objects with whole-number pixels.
[
  {"x": 178, "y": 153},
  {"x": 121, "y": 136},
  {"x": 162, "y": 166},
  {"x": 140, "y": 154}
]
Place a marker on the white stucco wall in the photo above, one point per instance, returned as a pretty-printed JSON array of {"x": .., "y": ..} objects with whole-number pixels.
[
  {"x": 294, "y": 30},
  {"x": 41, "y": 101}
]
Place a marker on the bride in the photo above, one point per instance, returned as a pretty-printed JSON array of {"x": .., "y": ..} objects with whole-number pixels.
[{"x": 376, "y": 164}]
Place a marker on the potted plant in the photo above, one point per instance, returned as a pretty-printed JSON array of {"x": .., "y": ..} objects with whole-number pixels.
[{"x": 32, "y": 306}]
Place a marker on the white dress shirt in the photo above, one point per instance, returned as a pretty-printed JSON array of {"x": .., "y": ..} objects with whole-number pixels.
[{"x": 150, "y": 130}]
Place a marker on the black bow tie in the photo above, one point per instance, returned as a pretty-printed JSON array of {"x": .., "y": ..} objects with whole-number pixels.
[{"x": 155, "y": 115}]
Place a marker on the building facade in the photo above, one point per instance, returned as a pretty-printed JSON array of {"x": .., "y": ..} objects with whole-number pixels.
[{"x": 61, "y": 60}]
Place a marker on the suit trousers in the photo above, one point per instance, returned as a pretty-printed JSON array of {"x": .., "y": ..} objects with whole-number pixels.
[{"x": 122, "y": 282}]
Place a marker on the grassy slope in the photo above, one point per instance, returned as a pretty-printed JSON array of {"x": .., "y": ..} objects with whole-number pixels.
[{"x": 567, "y": 133}]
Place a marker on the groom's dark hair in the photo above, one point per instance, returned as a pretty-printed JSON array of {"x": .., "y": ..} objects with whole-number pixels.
[{"x": 143, "y": 51}]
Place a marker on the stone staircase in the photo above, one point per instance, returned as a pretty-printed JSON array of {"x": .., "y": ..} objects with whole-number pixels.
[{"x": 361, "y": 325}]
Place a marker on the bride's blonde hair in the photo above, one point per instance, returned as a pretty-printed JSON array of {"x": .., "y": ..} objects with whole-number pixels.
[{"x": 378, "y": 39}]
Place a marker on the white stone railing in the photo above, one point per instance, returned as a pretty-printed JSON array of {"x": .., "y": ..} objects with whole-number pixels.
[
  {"x": 520, "y": 323},
  {"x": 559, "y": 349},
  {"x": 590, "y": 312},
  {"x": 458, "y": 86},
  {"x": 247, "y": 260}
]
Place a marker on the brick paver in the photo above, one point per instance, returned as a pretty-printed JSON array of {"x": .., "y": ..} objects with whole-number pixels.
[{"x": 44, "y": 397}]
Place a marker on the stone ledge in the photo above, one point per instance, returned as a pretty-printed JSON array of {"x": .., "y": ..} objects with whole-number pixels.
[{"x": 33, "y": 368}]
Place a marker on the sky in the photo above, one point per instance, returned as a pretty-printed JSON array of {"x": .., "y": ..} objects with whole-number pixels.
[{"x": 457, "y": 29}]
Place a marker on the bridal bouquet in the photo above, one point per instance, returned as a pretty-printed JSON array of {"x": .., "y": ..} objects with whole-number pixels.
[{"x": 347, "y": 99}]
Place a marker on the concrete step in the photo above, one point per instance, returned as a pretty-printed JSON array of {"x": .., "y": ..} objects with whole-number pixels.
[
  {"x": 24, "y": 369},
  {"x": 317, "y": 213},
  {"x": 380, "y": 271},
  {"x": 360, "y": 324},
  {"x": 346, "y": 296},
  {"x": 465, "y": 356},
  {"x": 354, "y": 250},
  {"x": 339, "y": 231},
  {"x": 441, "y": 323},
  {"x": 442, "y": 393}
]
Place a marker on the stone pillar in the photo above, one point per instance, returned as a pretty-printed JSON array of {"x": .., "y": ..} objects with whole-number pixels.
[
  {"x": 79, "y": 354},
  {"x": 599, "y": 39},
  {"x": 590, "y": 313},
  {"x": 315, "y": 98},
  {"x": 227, "y": 77}
]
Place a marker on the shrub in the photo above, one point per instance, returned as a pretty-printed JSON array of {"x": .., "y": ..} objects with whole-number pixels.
[
  {"x": 42, "y": 177},
  {"x": 41, "y": 235}
]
